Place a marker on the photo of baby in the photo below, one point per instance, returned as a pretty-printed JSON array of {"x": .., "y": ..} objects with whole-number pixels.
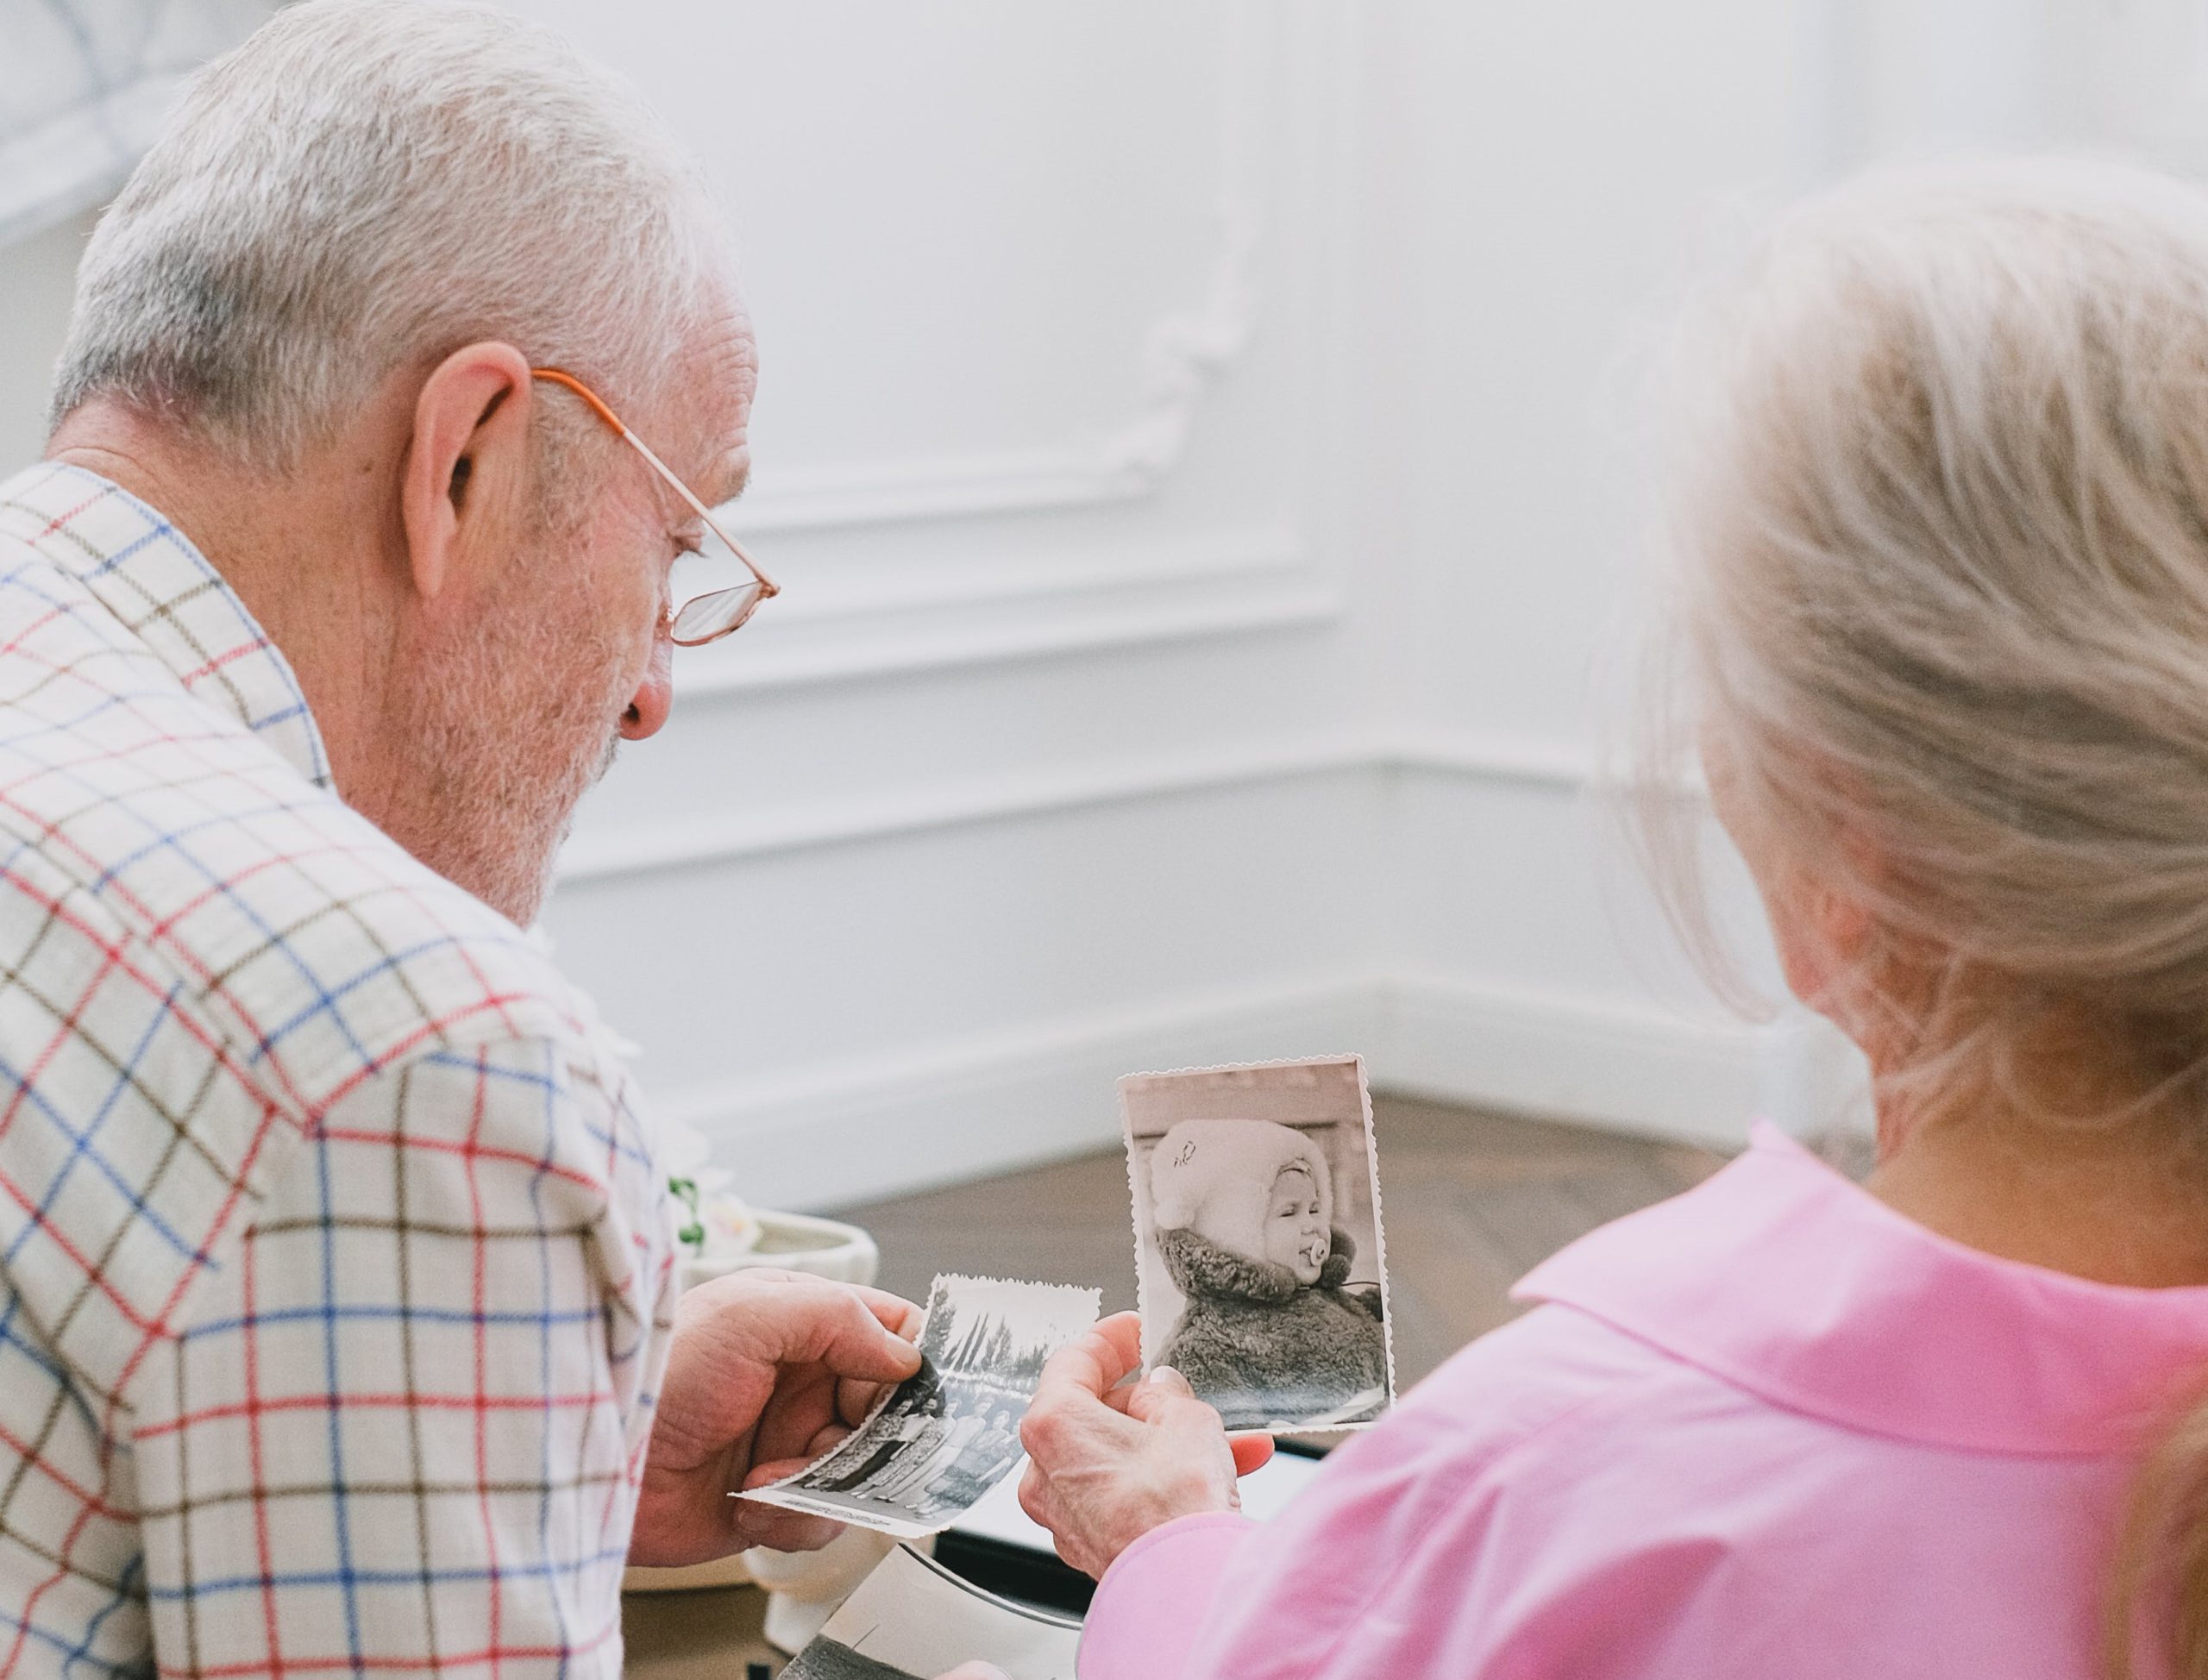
[{"x": 1262, "y": 1267}]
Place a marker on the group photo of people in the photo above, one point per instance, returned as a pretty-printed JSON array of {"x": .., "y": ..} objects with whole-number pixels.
[{"x": 943, "y": 1448}]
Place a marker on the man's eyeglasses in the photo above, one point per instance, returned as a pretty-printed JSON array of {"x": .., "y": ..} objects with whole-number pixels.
[{"x": 705, "y": 617}]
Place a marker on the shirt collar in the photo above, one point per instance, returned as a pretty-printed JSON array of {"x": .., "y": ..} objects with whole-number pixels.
[
  {"x": 1783, "y": 1278},
  {"x": 163, "y": 592}
]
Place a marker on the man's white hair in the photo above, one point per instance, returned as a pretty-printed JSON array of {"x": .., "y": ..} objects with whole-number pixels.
[{"x": 369, "y": 184}]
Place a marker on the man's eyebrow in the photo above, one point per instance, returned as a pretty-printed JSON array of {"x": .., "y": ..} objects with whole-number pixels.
[{"x": 727, "y": 479}]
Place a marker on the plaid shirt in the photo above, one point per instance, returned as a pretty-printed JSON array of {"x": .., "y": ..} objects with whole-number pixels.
[{"x": 336, "y": 1276}]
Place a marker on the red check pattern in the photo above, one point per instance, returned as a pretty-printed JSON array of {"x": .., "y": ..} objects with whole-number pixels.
[{"x": 336, "y": 1274}]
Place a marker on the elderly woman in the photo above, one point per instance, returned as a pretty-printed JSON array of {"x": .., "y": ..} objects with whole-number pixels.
[{"x": 1947, "y": 531}]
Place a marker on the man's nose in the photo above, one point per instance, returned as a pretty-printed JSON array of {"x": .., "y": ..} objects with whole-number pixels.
[{"x": 655, "y": 695}]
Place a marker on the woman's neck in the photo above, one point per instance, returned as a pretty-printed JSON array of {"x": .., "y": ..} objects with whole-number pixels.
[{"x": 2123, "y": 1203}]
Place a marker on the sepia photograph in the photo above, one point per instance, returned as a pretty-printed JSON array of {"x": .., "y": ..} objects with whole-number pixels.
[
  {"x": 1261, "y": 1263},
  {"x": 950, "y": 1431},
  {"x": 912, "y": 1617}
]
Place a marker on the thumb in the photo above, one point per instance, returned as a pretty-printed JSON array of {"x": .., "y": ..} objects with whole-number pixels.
[
  {"x": 853, "y": 1342},
  {"x": 1149, "y": 1399}
]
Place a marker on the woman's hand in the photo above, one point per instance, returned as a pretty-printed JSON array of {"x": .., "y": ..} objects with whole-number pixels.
[
  {"x": 1107, "y": 1464},
  {"x": 769, "y": 1370}
]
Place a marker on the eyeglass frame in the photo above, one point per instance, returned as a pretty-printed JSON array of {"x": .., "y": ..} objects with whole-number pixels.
[{"x": 766, "y": 586}]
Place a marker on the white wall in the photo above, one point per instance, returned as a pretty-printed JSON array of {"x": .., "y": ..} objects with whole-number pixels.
[
  {"x": 1545, "y": 180},
  {"x": 35, "y": 276},
  {"x": 1189, "y": 437}
]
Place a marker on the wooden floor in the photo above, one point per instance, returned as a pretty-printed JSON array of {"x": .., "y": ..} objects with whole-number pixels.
[{"x": 1473, "y": 1201}]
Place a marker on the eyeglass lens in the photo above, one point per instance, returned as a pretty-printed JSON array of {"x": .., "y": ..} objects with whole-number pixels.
[
  {"x": 708, "y": 617},
  {"x": 715, "y": 589}
]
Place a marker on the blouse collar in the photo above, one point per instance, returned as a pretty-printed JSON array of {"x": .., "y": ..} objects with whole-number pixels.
[{"x": 1783, "y": 1278}]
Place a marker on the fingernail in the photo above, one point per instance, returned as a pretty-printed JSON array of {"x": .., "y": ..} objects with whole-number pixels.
[{"x": 1164, "y": 1373}]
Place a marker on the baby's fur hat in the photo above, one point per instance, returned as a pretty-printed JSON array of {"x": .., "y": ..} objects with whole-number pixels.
[{"x": 1216, "y": 1176}]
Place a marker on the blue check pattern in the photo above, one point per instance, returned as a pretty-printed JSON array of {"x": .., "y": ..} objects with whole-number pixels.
[{"x": 336, "y": 1274}]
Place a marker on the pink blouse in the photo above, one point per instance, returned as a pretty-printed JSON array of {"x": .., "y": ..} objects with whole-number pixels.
[{"x": 1769, "y": 1427}]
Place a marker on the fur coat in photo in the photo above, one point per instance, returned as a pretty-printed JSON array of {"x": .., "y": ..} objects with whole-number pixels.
[{"x": 1260, "y": 1347}]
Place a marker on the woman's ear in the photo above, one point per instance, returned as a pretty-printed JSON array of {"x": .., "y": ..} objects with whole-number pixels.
[
  {"x": 1843, "y": 925},
  {"x": 1827, "y": 938},
  {"x": 467, "y": 477},
  {"x": 1822, "y": 930}
]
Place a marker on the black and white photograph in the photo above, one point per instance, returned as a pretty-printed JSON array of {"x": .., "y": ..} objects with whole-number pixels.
[
  {"x": 951, "y": 1431},
  {"x": 912, "y": 1617},
  {"x": 1262, "y": 1267}
]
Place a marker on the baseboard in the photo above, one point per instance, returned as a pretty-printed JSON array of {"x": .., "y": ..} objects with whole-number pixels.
[
  {"x": 1630, "y": 1067},
  {"x": 895, "y": 1123},
  {"x": 813, "y": 1139}
]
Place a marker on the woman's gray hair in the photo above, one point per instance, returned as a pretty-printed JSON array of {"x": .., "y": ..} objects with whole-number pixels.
[
  {"x": 369, "y": 184},
  {"x": 1943, "y": 516}
]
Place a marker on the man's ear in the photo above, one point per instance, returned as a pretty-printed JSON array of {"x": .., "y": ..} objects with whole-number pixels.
[{"x": 468, "y": 474}]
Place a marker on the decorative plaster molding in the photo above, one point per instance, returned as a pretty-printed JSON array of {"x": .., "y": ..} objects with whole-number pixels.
[
  {"x": 1184, "y": 355},
  {"x": 1175, "y": 592}
]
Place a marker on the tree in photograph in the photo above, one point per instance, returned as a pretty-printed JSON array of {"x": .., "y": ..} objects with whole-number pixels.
[
  {"x": 935, "y": 1340},
  {"x": 973, "y": 1348}
]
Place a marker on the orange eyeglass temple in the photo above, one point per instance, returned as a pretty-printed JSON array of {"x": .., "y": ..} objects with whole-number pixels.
[{"x": 570, "y": 382}]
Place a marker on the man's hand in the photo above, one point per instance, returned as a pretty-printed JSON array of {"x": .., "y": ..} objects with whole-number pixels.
[
  {"x": 1108, "y": 1464},
  {"x": 769, "y": 1370}
]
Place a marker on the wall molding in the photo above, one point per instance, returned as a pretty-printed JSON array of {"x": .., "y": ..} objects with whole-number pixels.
[
  {"x": 747, "y": 835},
  {"x": 1183, "y": 356},
  {"x": 953, "y": 619},
  {"x": 904, "y": 1121},
  {"x": 1556, "y": 767}
]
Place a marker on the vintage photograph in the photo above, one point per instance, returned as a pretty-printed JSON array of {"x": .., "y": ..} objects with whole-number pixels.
[
  {"x": 1262, "y": 1266},
  {"x": 950, "y": 1431},
  {"x": 914, "y": 1617}
]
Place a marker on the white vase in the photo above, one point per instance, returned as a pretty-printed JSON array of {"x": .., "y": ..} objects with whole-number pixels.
[{"x": 797, "y": 1243}]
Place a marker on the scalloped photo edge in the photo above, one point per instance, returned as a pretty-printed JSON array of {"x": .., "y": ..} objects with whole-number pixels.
[{"x": 1138, "y": 1199}]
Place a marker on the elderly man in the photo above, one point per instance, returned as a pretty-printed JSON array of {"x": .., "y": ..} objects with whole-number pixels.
[{"x": 336, "y": 1323}]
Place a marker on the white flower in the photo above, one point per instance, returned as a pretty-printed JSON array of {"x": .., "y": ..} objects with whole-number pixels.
[{"x": 731, "y": 1226}]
